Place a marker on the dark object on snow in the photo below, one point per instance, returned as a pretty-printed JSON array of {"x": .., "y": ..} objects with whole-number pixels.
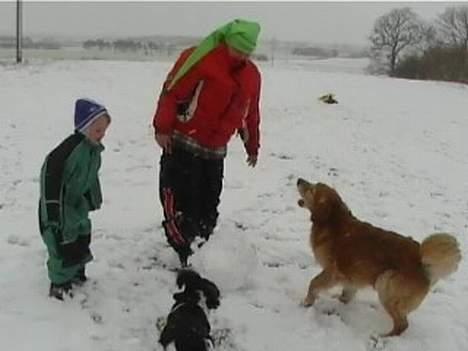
[
  {"x": 187, "y": 325},
  {"x": 328, "y": 99}
]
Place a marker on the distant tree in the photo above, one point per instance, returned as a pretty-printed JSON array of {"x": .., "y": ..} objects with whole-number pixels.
[
  {"x": 153, "y": 46},
  {"x": 429, "y": 37},
  {"x": 97, "y": 44},
  {"x": 453, "y": 27},
  {"x": 7, "y": 41},
  {"x": 437, "y": 63},
  {"x": 88, "y": 44},
  {"x": 315, "y": 52},
  {"x": 127, "y": 45},
  {"x": 47, "y": 44},
  {"x": 394, "y": 33},
  {"x": 411, "y": 67}
]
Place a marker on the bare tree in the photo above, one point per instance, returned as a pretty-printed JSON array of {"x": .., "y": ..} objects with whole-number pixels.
[
  {"x": 393, "y": 33},
  {"x": 428, "y": 37},
  {"x": 453, "y": 26}
]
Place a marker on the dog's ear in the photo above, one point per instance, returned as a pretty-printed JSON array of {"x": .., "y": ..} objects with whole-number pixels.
[
  {"x": 179, "y": 297},
  {"x": 188, "y": 278},
  {"x": 211, "y": 292},
  {"x": 323, "y": 209}
]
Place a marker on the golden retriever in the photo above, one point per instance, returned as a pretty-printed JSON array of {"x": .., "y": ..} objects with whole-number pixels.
[{"x": 356, "y": 254}]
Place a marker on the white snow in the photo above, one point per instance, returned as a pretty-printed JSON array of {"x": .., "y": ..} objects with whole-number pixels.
[{"x": 396, "y": 150}]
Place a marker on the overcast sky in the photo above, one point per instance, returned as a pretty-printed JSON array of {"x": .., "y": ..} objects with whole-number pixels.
[{"x": 343, "y": 22}]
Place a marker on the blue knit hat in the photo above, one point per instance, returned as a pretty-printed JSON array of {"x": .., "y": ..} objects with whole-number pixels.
[{"x": 86, "y": 112}]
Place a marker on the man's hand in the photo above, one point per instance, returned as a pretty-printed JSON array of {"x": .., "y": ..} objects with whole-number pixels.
[
  {"x": 164, "y": 141},
  {"x": 244, "y": 135},
  {"x": 252, "y": 160}
]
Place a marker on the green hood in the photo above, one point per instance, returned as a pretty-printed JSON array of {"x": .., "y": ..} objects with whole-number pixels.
[{"x": 239, "y": 34}]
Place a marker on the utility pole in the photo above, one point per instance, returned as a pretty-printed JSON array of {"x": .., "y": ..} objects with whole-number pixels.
[{"x": 19, "y": 31}]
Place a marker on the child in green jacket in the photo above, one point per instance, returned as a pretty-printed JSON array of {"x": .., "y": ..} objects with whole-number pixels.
[{"x": 69, "y": 190}]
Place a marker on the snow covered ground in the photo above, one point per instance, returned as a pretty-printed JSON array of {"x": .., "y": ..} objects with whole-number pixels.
[{"x": 396, "y": 150}]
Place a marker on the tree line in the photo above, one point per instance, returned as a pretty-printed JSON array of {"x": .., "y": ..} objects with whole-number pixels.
[
  {"x": 8, "y": 42},
  {"x": 403, "y": 45},
  {"x": 122, "y": 45}
]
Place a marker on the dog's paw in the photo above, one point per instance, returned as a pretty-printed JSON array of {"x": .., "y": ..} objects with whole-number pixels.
[
  {"x": 345, "y": 298},
  {"x": 376, "y": 342},
  {"x": 307, "y": 302}
]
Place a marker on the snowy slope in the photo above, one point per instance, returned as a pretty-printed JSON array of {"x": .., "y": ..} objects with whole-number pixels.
[{"x": 396, "y": 150}]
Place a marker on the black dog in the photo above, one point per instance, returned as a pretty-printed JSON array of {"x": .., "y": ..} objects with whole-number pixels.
[{"x": 187, "y": 324}]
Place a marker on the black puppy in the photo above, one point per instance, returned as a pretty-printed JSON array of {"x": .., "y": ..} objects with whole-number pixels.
[{"x": 187, "y": 325}]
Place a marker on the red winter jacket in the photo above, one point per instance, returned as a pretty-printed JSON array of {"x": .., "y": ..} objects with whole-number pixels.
[{"x": 213, "y": 100}]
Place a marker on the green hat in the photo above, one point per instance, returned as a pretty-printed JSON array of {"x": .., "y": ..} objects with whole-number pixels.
[
  {"x": 242, "y": 35},
  {"x": 239, "y": 34}
]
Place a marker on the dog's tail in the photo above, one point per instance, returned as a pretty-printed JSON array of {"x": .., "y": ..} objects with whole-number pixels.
[{"x": 440, "y": 255}]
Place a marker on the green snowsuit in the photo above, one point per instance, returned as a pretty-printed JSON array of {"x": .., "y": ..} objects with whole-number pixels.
[{"x": 70, "y": 189}]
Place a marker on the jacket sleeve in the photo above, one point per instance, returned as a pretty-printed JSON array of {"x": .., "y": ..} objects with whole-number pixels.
[
  {"x": 232, "y": 119},
  {"x": 166, "y": 110},
  {"x": 94, "y": 195},
  {"x": 244, "y": 114},
  {"x": 252, "y": 144}
]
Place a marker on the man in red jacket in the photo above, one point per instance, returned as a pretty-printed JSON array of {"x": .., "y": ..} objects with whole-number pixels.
[{"x": 212, "y": 91}]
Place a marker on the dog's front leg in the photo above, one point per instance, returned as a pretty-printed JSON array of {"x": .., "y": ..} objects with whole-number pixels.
[
  {"x": 347, "y": 294},
  {"x": 323, "y": 281}
]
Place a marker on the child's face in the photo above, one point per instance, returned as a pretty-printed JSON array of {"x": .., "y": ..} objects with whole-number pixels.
[{"x": 97, "y": 130}]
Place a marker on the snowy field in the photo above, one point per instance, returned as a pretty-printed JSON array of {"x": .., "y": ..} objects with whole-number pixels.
[{"x": 396, "y": 150}]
